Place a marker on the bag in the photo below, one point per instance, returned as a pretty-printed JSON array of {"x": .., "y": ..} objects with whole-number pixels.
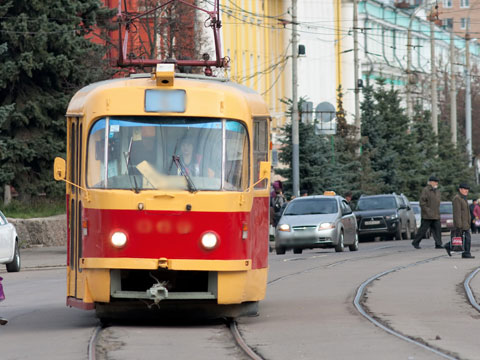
[
  {"x": 477, "y": 222},
  {"x": 2, "y": 294},
  {"x": 457, "y": 241},
  {"x": 277, "y": 203}
]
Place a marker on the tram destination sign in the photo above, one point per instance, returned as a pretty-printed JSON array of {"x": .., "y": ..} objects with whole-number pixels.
[{"x": 163, "y": 101}]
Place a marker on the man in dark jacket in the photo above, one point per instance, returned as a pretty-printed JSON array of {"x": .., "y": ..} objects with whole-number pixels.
[
  {"x": 430, "y": 206},
  {"x": 461, "y": 221}
]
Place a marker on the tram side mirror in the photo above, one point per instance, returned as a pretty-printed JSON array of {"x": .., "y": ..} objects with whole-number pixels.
[{"x": 59, "y": 169}]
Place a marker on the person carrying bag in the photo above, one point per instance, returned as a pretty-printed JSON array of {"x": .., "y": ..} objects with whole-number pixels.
[{"x": 461, "y": 224}]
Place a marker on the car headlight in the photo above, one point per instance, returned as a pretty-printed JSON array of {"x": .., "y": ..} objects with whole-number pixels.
[
  {"x": 326, "y": 225},
  {"x": 391, "y": 217},
  {"x": 209, "y": 240},
  {"x": 118, "y": 239},
  {"x": 284, "y": 227}
]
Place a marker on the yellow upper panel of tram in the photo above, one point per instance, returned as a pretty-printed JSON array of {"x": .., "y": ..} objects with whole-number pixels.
[{"x": 203, "y": 97}]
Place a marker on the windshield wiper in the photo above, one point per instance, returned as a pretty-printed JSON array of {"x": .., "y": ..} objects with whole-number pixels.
[
  {"x": 184, "y": 172},
  {"x": 127, "y": 155}
]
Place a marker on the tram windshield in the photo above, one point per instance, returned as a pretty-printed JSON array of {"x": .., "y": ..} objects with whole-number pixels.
[{"x": 145, "y": 153}]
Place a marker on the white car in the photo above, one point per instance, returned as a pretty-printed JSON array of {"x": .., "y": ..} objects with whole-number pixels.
[{"x": 9, "y": 250}]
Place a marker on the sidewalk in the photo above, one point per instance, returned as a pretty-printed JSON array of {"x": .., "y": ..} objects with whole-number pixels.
[{"x": 46, "y": 256}]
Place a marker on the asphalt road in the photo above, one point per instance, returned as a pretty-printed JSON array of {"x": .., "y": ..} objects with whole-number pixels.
[{"x": 308, "y": 312}]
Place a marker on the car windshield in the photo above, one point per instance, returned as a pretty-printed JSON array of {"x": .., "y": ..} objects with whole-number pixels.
[
  {"x": 376, "y": 203},
  {"x": 416, "y": 209},
  {"x": 145, "y": 153},
  {"x": 312, "y": 206},
  {"x": 446, "y": 208}
]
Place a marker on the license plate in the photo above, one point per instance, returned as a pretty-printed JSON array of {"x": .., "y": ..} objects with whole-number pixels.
[{"x": 372, "y": 222}]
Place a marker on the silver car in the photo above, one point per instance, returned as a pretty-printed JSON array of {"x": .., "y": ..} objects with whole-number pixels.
[
  {"x": 321, "y": 221},
  {"x": 9, "y": 250}
]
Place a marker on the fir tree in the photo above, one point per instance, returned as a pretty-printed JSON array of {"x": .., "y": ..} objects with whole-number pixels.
[
  {"x": 452, "y": 163},
  {"x": 45, "y": 56},
  {"x": 345, "y": 175}
]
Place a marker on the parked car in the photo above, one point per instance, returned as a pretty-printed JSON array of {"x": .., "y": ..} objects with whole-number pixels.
[
  {"x": 9, "y": 250},
  {"x": 388, "y": 216},
  {"x": 446, "y": 215},
  {"x": 321, "y": 221},
  {"x": 415, "y": 205}
]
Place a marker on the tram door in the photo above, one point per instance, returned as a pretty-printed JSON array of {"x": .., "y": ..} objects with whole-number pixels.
[{"x": 75, "y": 131}]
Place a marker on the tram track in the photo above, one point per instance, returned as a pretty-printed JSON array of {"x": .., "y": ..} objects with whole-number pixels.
[
  {"x": 359, "y": 301},
  {"x": 230, "y": 324}
]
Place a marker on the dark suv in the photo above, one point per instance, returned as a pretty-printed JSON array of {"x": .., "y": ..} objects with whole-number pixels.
[{"x": 388, "y": 216}]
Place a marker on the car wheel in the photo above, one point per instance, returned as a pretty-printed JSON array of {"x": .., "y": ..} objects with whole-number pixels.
[
  {"x": 339, "y": 246},
  {"x": 280, "y": 250},
  {"x": 354, "y": 246},
  {"x": 14, "y": 266},
  {"x": 297, "y": 251},
  {"x": 408, "y": 234},
  {"x": 398, "y": 233}
]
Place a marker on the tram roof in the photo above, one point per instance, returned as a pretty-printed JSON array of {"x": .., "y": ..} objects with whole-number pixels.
[{"x": 118, "y": 96}]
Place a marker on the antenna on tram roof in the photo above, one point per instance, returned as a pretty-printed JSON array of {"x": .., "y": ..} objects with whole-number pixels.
[{"x": 126, "y": 19}]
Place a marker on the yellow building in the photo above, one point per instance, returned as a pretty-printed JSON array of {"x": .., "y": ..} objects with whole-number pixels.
[{"x": 256, "y": 40}]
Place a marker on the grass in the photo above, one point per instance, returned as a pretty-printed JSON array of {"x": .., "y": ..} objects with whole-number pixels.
[{"x": 36, "y": 207}]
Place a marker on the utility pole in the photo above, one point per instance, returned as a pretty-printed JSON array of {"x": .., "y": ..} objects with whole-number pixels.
[
  {"x": 409, "y": 69},
  {"x": 434, "y": 76},
  {"x": 356, "y": 70},
  {"x": 453, "y": 92},
  {"x": 468, "y": 97},
  {"x": 409, "y": 61},
  {"x": 295, "y": 134}
]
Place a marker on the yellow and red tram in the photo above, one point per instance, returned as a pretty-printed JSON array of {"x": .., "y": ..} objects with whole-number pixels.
[{"x": 167, "y": 193}]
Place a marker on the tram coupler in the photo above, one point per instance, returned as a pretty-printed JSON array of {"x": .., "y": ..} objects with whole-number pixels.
[{"x": 158, "y": 292}]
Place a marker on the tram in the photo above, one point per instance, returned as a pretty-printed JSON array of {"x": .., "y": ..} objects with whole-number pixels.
[{"x": 167, "y": 188}]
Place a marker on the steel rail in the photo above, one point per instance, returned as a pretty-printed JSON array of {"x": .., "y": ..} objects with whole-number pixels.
[
  {"x": 232, "y": 325},
  {"x": 92, "y": 344},
  {"x": 468, "y": 290},
  {"x": 361, "y": 292}
]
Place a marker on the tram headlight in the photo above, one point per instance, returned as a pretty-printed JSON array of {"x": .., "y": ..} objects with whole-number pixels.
[
  {"x": 209, "y": 240},
  {"x": 118, "y": 239}
]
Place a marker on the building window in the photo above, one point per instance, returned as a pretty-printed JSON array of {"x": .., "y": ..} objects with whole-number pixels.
[
  {"x": 464, "y": 23},
  {"x": 447, "y": 23},
  {"x": 447, "y": 3},
  {"x": 464, "y": 3}
]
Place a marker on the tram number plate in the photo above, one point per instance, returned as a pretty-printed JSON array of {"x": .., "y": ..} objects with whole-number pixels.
[{"x": 372, "y": 222}]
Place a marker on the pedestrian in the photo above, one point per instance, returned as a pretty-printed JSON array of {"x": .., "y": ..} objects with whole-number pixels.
[
  {"x": 348, "y": 197},
  {"x": 304, "y": 193},
  {"x": 3, "y": 321},
  {"x": 278, "y": 205},
  {"x": 461, "y": 221},
  {"x": 476, "y": 217},
  {"x": 473, "y": 226},
  {"x": 430, "y": 210}
]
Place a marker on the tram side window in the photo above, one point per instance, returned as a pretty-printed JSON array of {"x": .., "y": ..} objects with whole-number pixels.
[
  {"x": 260, "y": 149},
  {"x": 95, "y": 156},
  {"x": 237, "y": 150}
]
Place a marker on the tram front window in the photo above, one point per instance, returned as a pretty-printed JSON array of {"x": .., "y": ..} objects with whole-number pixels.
[{"x": 145, "y": 153}]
